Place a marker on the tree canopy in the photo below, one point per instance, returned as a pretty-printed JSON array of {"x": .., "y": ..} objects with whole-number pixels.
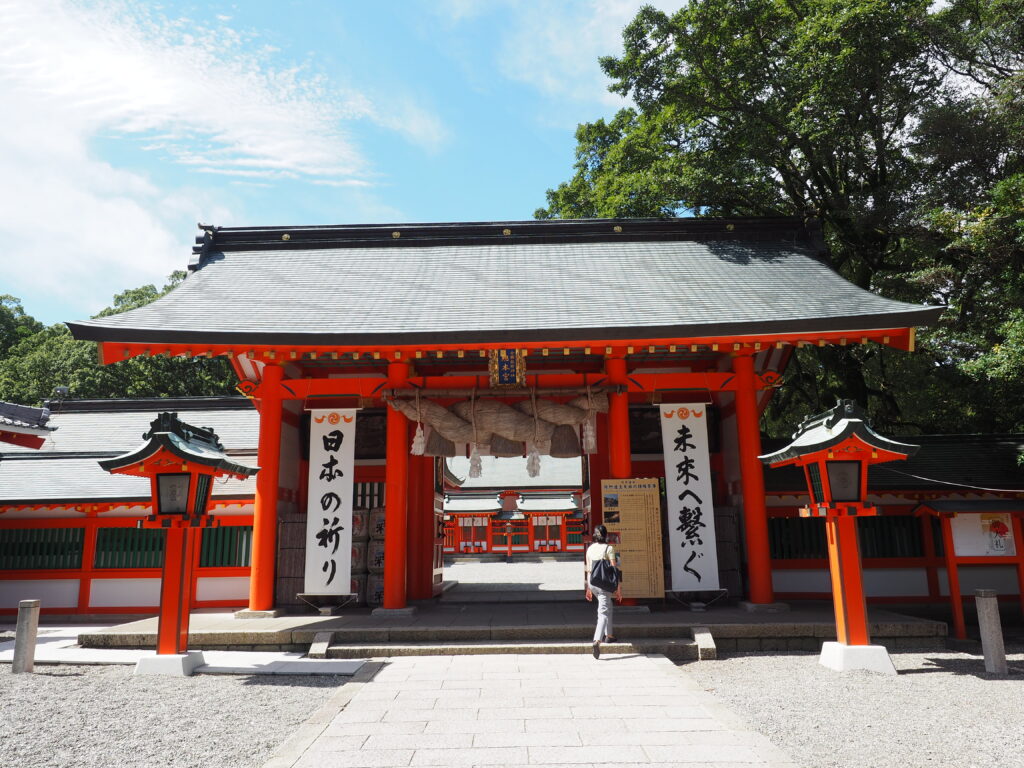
[
  {"x": 899, "y": 126},
  {"x": 43, "y": 358}
]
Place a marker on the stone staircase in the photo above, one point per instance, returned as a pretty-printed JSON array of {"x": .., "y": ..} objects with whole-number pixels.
[{"x": 676, "y": 644}]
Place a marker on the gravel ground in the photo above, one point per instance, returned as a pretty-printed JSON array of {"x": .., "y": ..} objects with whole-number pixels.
[
  {"x": 942, "y": 709},
  {"x": 99, "y": 716}
]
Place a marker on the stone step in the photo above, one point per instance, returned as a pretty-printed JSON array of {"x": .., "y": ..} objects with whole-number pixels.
[
  {"x": 529, "y": 633},
  {"x": 473, "y": 596},
  {"x": 677, "y": 649}
]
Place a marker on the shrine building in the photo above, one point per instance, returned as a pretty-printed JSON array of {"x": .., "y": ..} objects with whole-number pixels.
[
  {"x": 505, "y": 512},
  {"x": 535, "y": 338}
]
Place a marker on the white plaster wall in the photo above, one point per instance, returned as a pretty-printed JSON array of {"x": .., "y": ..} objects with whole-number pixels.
[
  {"x": 222, "y": 588},
  {"x": 54, "y": 593},
  {"x": 134, "y": 510},
  {"x": 896, "y": 582},
  {"x": 232, "y": 510},
  {"x": 802, "y": 580},
  {"x": 730, "y": 449},
  {"x": 28, "y": 513},
  {"x": 878, "y": 582},
  {"x": 1001, "y": 578},
  {"x": 115, "y": 593},
  {"x": 291, "y": 454}
]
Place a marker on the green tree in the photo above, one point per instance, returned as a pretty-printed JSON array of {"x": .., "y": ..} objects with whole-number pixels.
[
  {"x": 845, "y": 111},
  {"x": 15, "y": 325},
  {"x": 50, "y": 357}
]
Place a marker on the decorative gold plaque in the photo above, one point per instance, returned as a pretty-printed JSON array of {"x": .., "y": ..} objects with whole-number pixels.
[{"x": 507, "y": 368}]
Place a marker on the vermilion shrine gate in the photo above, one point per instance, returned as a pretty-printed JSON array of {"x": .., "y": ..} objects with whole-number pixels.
[{"x": 647, "y": 311}]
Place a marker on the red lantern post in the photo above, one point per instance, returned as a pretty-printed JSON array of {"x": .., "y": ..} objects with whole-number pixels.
[
  {"x": 181, "y": 461},
  {"x": 835, "y": 450}
]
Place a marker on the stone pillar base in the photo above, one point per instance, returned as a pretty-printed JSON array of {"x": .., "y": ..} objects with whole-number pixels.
[
  {"x": 171, "y": 664},
  {"x": 395, "y": 613},
  {"x": 245, "y": 613},
  {"x": 844, "y": 658}
]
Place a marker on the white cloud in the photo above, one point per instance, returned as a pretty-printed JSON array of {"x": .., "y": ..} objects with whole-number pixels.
[
  {"x": 77, "y": 228},
  {"x": 109, "y": 68},
  {"x": 554, "y": 45}
]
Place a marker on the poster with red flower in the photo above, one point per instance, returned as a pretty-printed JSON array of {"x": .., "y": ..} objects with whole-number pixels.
[
  {"x": 1000, "y": 534},
  {"x": 988, "y": 534}
]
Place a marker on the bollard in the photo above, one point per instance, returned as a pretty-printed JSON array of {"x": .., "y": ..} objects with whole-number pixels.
[
  {"x": 25, "y": 636},
  {"x": 991, "y": 631}
]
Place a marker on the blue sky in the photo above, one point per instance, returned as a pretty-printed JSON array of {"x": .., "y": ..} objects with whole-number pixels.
[{"x": 127, "y": 123}]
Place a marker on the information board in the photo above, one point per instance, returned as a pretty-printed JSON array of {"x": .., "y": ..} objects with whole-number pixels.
[
  {"x": 632, "y": 511},
  {"x": 986, "y": 534}
]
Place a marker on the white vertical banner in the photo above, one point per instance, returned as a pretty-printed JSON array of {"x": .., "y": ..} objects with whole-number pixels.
[
  {"x": 332, "y": 435},
  {"x": 691, "y": 511}
]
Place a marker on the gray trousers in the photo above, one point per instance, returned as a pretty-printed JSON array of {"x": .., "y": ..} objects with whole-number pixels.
[{"x": 604, "y": 613}]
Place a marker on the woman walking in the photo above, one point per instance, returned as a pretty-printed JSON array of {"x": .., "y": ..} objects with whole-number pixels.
[{"x": 601, "y": 550}]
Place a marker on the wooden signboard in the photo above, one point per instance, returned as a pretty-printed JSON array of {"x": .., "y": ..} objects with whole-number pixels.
[{"x": 632, "y": 511}]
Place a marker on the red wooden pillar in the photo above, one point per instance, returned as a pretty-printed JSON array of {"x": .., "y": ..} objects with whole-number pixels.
[
  {"x": 755, "y": 512},
  {"x": 1018, "y": 537},
  {"x": 847, "y": 580},
  {"x": 264, "y": 521},
  {"x": 620, "y": 463},
  {"x": 175, "y": 591},
  {"x": 953, "y": 578},
  {"x": 90, "y": 532},
  {"x": 931, "y": 571},
  {"x": 421, "y": 528},
  {"x": 396, "y": 496}
]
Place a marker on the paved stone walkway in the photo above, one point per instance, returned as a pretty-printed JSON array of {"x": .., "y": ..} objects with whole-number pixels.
[
  {"x": 523, "y": 575},
  {"x": 623, "y": 710}
]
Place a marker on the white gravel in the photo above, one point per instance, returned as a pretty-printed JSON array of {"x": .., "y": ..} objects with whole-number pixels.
[
  {"x": 942, "y": 709},
  {"x": 101, "y": 716}
]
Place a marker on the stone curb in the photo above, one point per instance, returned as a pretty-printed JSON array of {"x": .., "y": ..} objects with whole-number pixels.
[{"x": 706, "y": 649}]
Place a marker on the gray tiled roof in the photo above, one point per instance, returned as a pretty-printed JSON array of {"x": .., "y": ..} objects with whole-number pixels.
[
  {"x": 472, "y": 504},
  {"x": 510, "y": 473},
  {"x": 65, "y": 469},
  {"x": 479, "y": 291},
  {"x": 536, "y": 504},
  {"x": 56, "y": 479},
  {"x": 116, "y": 432}
]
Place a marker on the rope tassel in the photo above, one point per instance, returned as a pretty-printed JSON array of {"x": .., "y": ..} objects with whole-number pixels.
[
  {"x": 419, "y": 440},
  {"x": 533, "y": 458},
  {"x": 589, "y": 436},
  {"x": 475, "y": 464},
  {"x": 533, "y": 462},
  {"x": 476, "y": 467},
  {"x": 589, "y": 433}
]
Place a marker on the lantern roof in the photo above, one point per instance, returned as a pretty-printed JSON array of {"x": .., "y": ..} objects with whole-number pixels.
[
  {"x": 826, "y": 430},
  {"x": 194, "y": 445}
]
